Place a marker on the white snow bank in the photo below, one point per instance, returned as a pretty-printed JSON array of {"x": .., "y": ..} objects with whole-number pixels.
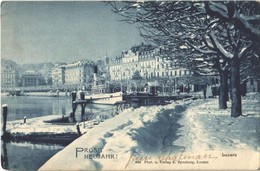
[
  {"x": 37, "y": 125},
  {"x": 165, "y": 137},
  {"x": 143, "y": 130}
]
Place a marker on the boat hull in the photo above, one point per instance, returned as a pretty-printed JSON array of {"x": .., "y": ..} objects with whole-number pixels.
[{"x": 109, "y": 98}]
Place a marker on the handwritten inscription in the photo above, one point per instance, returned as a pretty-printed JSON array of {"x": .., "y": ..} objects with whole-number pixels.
[
  {"x": 169, "y": 158},
  {"x": 183, "y": 156}
]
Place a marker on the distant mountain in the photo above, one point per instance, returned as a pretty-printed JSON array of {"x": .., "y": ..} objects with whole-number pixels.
[
  {"x": 42, "y": 68},
  {"x": 9, "y": 62}
]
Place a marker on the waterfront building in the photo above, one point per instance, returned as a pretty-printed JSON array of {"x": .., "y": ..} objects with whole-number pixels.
[
  {"x": 9, "y": 76},
  {"x": 31, "y": 79},
  {"x": 146, "y": 60},
  {"x": 79, "y": 74},
  {"x": 58, "y": 75}
]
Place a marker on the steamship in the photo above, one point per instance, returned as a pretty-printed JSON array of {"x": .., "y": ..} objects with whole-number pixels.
[{"x": 107, "y": 98}]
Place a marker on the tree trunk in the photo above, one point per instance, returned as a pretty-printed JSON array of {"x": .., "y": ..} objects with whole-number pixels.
[
  {"x": 227, "y": 86},
  {"x": 223, "y": 90},
  {"x": 236, "y": 105}
]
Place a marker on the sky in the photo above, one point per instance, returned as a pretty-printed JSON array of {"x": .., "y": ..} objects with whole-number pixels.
[{"x": 35, "y": 32}]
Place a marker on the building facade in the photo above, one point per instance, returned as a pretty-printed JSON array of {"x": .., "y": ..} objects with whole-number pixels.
[
  {"x": 58, "y": 75},
  {"x": 30, "y": 79},
  {"x": 9, "y": 77},
  {"x": 79, "y": 74},
  {"x": 147, "y": 61}
]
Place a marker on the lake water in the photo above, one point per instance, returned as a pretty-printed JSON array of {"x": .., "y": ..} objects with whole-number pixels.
[
  {"x": 31, "y": 106},
  {"x": 27, "y": 156}
]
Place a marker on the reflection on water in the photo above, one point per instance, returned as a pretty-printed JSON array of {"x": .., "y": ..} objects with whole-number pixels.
[
  {"x": 30, "y": 106},
  {"x": 4, "y": 159},
  {"x": 26, "y": 156}
]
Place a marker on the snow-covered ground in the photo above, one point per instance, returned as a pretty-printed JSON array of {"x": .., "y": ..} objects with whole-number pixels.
[
  {"x": 37, "y": 125},
  {"x": 182, "y": 135},
  {"x": 215, "y": 129}
]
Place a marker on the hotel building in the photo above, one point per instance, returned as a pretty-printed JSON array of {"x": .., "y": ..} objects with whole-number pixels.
[
  {"x": 148, "y": 61},
  {"x": 9, "y": 77},
  {"x": 58, "y": 75}
]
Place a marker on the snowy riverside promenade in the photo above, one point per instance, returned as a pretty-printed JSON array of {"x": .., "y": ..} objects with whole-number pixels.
[{"x": 191, "y": 134}]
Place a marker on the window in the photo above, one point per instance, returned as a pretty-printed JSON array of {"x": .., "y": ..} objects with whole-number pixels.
[
  {"x": 162, "y": 74},
  {"x": 175, "y": 73},
  {"x": 171, "y": 73},
  {"x": 179, "y": 73},
  {"x": 251, "y": 81}
]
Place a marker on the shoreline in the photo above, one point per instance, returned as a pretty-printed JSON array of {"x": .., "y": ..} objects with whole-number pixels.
[{"x": 40, "y": 94}]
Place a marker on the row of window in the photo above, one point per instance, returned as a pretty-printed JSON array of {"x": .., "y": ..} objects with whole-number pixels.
[
  {"x": 156, "y": 74},
  {"x": 146, "y": 56},
  {"x": 149, "y": 64},
  {"x": 30, "y": 79},
  {"x": 8, "y": 72},
  {"x": 4, "y": 81},
  {"x": 8, "y": 76}
]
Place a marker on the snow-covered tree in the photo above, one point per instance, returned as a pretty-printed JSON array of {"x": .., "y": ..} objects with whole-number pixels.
[
  {"x": 236, "y": 38},
  {"x": 206, "y": 36}
]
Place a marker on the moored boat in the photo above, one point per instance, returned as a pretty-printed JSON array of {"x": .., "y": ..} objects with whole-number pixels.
[{"x": 107, "y": 98}]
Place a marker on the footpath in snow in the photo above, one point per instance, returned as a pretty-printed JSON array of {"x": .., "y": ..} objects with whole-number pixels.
[{"x": 182, "y": 135}]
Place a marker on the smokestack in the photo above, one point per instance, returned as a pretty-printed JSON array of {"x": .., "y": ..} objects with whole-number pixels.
[
  {"x": 95, "y": 75},
  {"x": 95, "y": 69}
]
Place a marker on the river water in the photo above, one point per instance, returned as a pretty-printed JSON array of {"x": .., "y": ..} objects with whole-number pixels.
[{"x": 25, "y": 155}]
